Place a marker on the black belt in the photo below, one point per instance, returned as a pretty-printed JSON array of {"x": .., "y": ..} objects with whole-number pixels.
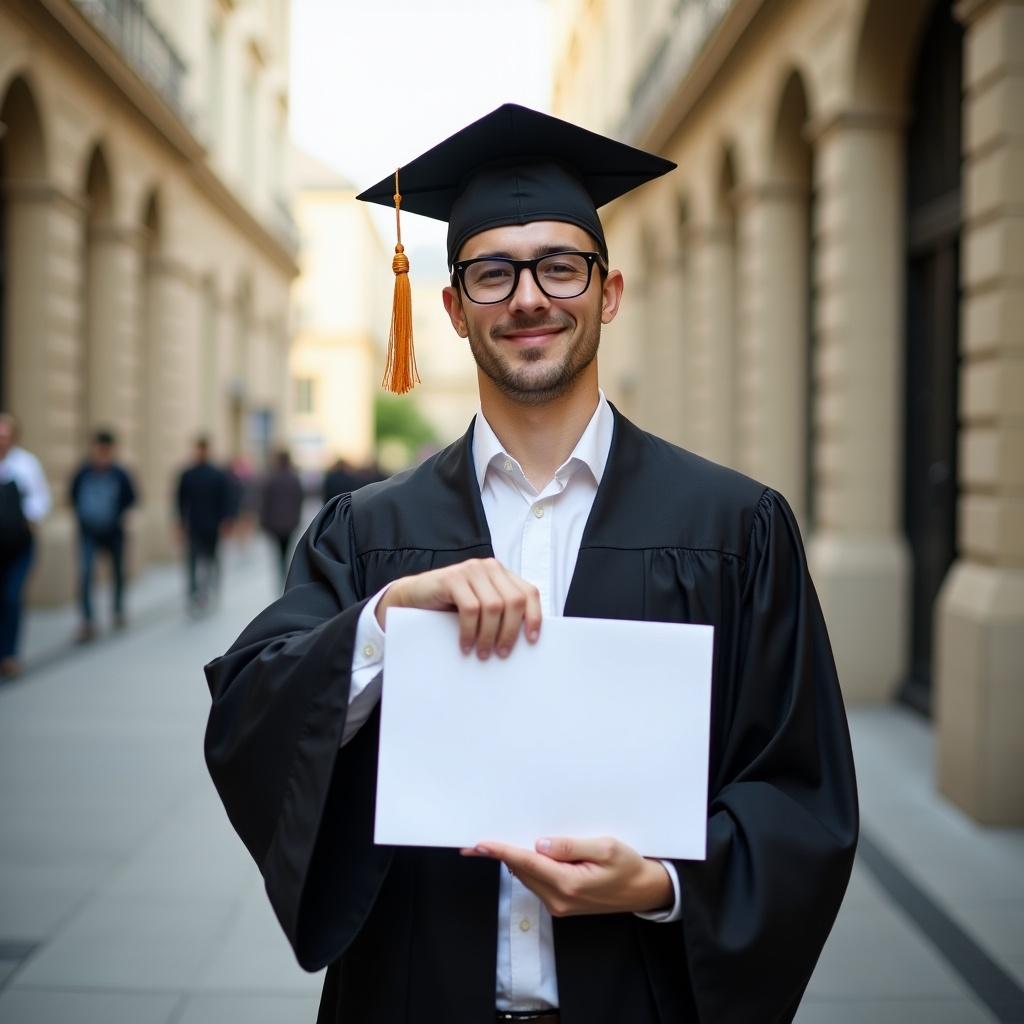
[{"x": 536, "y": 1016}]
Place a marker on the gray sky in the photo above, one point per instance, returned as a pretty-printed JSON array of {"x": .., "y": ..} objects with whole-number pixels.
[{"x": 377, "y": 82}]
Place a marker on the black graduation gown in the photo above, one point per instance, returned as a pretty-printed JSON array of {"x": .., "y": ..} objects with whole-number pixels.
[{"x": 410, "y": 934}]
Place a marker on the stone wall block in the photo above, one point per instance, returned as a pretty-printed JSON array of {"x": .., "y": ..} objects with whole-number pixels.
[
  {"x": 993, "y": 322},
  {"x": 979, "y": 697},
  {"x": 993, "y": 115},
  {"x": 993, "y": 251},
  {"x": 996, "y": 182},
  {"x": 995, "y": 44}
]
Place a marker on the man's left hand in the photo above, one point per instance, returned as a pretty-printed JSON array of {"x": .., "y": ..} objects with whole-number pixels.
[{"x": 585, "y": 876}]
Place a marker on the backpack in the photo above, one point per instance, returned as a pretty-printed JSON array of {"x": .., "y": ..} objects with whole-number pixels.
[
  {"x": 98, "y": 502},
  {"x": 15, "y": 535}
]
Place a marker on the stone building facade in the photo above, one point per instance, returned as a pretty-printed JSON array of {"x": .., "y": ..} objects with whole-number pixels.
[
  {"x": 147, "y": 248},
  {"x": 829, "y": 295},
  {"x": 342, "y": 310}
]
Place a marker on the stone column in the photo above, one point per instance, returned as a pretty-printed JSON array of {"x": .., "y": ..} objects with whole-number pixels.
[
  {"x": 713, "y": 363},
  {"x": 43, "y": 338},
  {"x": 169, "y": 385},
  {"x": 773, "y": 338},
  {"x": 858, "y": 553},
  {"x": 662, "y": 375},
  {"x": 980, "y": 626},
  {"x": 111, "y": 359}
]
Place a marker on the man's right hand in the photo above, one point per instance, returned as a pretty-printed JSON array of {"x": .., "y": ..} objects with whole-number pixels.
[{"x": 492, "y": 603}]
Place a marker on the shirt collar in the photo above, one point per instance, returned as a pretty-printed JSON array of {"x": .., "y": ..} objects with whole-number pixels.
[{"x": 592, "y": 449}]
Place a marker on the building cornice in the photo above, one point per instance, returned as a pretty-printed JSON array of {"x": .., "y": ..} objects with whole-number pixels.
[
  {"x": 966, "y": 11},
  {"x": 78, "y": 32},
  {"x": 683, "y": 95}
]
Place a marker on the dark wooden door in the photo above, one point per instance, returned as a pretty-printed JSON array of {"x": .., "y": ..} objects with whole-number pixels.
[{"x": 932, "y": 333}]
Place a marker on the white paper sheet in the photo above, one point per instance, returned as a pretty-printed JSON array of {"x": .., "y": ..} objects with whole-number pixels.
[{"x": 600, "y": 729}]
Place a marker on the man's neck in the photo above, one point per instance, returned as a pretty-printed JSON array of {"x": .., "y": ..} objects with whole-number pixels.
[{"x": 541, "y": 437}]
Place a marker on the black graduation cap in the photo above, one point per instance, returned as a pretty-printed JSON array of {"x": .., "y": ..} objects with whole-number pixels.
[{"x": 513, "y": 166}]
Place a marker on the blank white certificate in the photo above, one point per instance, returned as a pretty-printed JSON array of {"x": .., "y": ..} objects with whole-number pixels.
[{"x": 601, "y": 728}]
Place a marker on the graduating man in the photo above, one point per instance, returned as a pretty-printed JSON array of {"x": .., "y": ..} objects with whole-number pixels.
[{"x": 552, "y": 504}]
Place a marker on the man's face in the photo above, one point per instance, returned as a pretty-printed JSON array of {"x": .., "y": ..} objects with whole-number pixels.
[
  {"x": 6, "y": 437},
  {"x": 102, "y": 455},
  {"x": 532, "y": 347}
]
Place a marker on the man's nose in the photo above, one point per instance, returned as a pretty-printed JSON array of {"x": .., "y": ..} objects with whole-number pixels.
[{"x": 528, "y": 295}]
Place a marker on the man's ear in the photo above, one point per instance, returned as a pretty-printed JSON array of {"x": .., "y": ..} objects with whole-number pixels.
[
  {"x": 611, "y": 295},
  {"x": 453, "y": 307}
]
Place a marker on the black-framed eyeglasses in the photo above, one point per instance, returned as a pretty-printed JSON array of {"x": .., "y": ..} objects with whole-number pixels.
[{"x": 559, "y": 275}]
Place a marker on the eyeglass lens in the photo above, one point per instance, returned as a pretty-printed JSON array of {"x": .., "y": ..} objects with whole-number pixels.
[{"x": 560, "y": 276}]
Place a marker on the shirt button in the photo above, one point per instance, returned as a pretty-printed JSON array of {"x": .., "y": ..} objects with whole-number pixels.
[
  {"x": 508, "y": 465},
  {"x": 369, "y": 651},
  {"x": 538, "y": 511},
  {"x": 524, "y": 925}
]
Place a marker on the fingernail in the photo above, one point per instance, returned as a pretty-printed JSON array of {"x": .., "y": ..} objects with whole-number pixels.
[
  {"x": 466, "y": 648},
  {"x": 483, "y": 850},
  {"x": 543, "y": 845},
  {"x": 484, "y": 655},
  {"x": 503, "y": 652},
  {"x": 532, "y": 636}
]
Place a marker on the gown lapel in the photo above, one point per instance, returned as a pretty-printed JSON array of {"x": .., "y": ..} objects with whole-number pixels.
[{"x": 608, "y": 580}]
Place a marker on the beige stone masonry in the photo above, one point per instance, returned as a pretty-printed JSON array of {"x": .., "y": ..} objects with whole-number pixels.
[
  {"x": 980, "y": 634},
  {"x": 857, "y": 551}
]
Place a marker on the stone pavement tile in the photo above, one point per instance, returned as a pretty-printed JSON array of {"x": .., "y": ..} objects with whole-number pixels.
[
  {"x": 999, "y": 927},
  {"x": 131, "y": 945},
  {"x": 36, "y": 1006},
  {"x": 861, "y": 893},
  {"x": 193, "y": 854},
  {"x": 35, "y": 898},
  {"x": 255, "y": 956},
  {"x": 892, "y": 1011},
  {"x": 230, "y": 1008},
  {"x": 875, "y": 953}
]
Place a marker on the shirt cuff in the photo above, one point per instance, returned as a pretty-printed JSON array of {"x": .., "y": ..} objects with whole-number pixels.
[
  {"x": 676, "y": 911},
  {"x": 368, "y": 652}
]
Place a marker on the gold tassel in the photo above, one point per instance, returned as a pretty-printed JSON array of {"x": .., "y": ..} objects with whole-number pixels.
[{"x": 400, "y": 374}]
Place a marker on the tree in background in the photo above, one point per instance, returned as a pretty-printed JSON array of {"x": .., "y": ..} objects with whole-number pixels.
[{"x": 401, "y": 432}]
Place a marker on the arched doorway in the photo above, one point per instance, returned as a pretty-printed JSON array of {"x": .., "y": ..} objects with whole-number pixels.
[
  {"x": 787, "y": 223},
  {"x": 721, "y": 288},
  {"x": 933, "y": 204},
  {"x": 22, "y": 162},
  {"x": 98, "y": 289}
]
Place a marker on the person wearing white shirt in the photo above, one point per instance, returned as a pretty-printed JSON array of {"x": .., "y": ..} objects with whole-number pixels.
[
  {"x": 551, "y": 504},
  {"x": 26, "y": 500}
]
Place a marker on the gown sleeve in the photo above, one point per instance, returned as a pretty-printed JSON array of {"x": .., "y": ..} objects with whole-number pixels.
[
  {"x": 783, "y": 817},
  {"x": 279, "y": 703}
]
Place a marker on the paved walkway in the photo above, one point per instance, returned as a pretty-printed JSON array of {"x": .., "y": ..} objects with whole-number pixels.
[{"x": 126, "y": 897}]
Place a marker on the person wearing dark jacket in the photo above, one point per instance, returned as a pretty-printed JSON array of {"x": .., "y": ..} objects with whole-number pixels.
[
  {"x": 551, "y": 504},
  {"x": 100, "y": 494},
  {"x": 204, "y": 502},
  {"x": 281, "y": 507}
]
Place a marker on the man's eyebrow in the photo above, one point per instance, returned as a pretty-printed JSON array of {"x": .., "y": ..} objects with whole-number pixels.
[{"x": 543, "y": 250}]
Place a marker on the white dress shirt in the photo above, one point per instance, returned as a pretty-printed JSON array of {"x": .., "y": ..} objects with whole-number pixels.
[
  {"x": 24, "y": 469},
  {"x": 536, "y": 535}
]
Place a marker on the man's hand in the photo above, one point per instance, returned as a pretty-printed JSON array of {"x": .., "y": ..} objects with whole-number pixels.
[
  {"x": 492, "y": 603},
  {"x": 585, "y": 876}
]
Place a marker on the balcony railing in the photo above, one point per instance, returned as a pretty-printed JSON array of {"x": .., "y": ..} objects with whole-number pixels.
[
  {"x": 669, "y": 60},
  {"x": 129, "y": 27}
]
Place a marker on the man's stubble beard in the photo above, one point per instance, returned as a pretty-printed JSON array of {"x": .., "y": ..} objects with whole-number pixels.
[{"x": 520, "y": 385}]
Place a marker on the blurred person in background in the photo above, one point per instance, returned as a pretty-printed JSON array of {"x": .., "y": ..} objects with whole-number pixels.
[
  {"x": 24, "y": 501},
  {"x": 101, "y": 493},
  {"x": 244, "y": 500},
  {"x": 341, "y": 478},
  {"x": 281, "y": 507},
  {"x": 204, "y": 506}
]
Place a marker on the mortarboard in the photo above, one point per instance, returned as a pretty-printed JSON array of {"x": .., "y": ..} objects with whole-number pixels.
[{"x": 513, "y": 166}]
